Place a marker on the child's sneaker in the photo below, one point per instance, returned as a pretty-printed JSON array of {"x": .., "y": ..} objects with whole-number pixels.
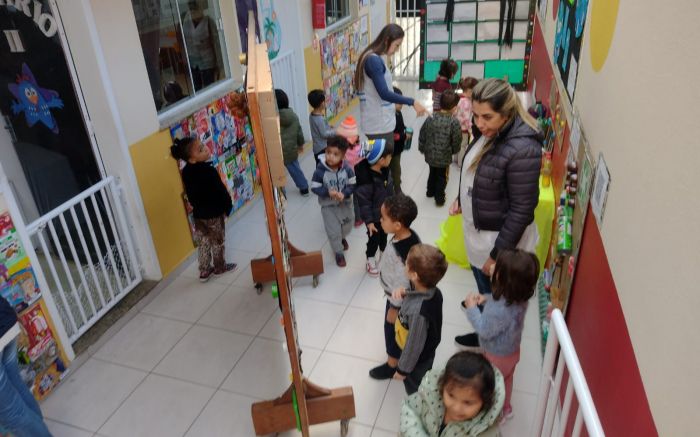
[
  {"x": 340, "y": 260},
  {"x": 305, "y": 192},
  {"x": 385, "y": 371},
  {"x": 372, "y": 267},
  {"x": 229, "y": 267},
  {"x": 205, "y": 276},
  {"x": 506, "y": 415},
  {"x": 346, "y": 246}
]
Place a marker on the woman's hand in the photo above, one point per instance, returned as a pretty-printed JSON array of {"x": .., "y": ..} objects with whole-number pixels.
[
  {"x": 488, "y": 267},
  {"x": 455, "y": 208},
  {"x": 420, "y": 109},
  {"x": 371, "y": 229}
]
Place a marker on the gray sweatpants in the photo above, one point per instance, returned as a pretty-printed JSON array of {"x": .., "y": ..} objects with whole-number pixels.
[{"x": 338, "y": 220}]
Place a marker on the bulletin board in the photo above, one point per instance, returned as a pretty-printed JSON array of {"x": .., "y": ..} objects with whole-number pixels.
[
  {"x": 339, "y": 53},
  {"x": 471, "y": 39},
  {"x": 229, "y": 138},
  {"x": 41, "y": 357}
]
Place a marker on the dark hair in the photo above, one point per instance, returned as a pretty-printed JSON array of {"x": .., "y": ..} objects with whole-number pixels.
[
  {"x": 448, "y": 68},
  {"x": 470, "y": 369},
  {"x": 468, "y": 83},
  {"x": 428, "y": 262},
  {"x": 515, "y": 275},
  {"x": 282, "y": 99},
  {"x": 316, "y": 98},
  {"x": 389, "y": 33},
  {"x": 172, "y": 91},
  {"x": 401, "y": 208},
  {"x": 397, "y": 90},
  {"x": 338, "y": 142},
  {"x": 181, "y": 149},
  {"x": 448, "y": 100}
]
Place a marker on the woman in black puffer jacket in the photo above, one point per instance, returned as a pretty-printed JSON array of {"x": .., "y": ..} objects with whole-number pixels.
[
  {"x": 499, "y": 182},
  {"x": 19, "y": 411}
]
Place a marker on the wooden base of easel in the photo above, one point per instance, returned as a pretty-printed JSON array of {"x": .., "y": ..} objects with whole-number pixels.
[
  {"x": 323, "y": 405},
  {"x": 303, "y": 264}
]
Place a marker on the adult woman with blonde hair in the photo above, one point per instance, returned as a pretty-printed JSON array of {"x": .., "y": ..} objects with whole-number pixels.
[
  {"x": 373, "y": 84},
  {"x": 499, "y": 182}
]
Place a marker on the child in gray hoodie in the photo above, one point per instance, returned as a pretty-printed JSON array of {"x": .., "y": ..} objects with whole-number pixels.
[
  {"x": 500, "y": 325},
  {"x": 334, "y": 182}
]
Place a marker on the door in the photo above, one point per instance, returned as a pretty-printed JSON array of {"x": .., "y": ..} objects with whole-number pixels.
[{"x": 41, "y": 111}]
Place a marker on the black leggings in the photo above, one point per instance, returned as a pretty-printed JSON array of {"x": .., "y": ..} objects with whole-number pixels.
[{"x": 376, "y": 241}]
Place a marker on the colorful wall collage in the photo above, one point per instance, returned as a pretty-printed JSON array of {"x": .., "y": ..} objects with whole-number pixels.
[
  {"x": 339, "y": 53},
  {"x": 42, "y": 360},
  {"x": 229, "y": 138}
]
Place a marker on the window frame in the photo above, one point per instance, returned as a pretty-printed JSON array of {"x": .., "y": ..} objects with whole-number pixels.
[{"x": 341, "y": 21}]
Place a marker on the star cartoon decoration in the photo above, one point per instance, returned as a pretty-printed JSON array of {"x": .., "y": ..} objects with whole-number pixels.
[{"x": 36, "y": 102}]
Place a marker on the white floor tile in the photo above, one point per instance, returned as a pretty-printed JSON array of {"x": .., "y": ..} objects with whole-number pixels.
[
  {"x": 336, "y": 285},
  {"x": 447, "y": 346},
  {"x": 306, "y": 230},
  {"x": 428, "y": 229},
  {"x": 160, "y": 406},
  {"x": 334, "y": 370},
  {"x": 355, "y": 257},
  {"x": 524, "y": 405},
  {"x": 60, "y": 430},
  {"x": 204, "y": 356},
  {"x": 316, "y": 322},
  {"x": 360, "y": 324},
  {"x": 240, "y": 310},
  {"x": 143, "y": 342},
  {"x": 527, "y": 372},
  {"x": 452, "y": 297},
  {"x": 185, "y": 299},
  {"x": 332, "y": 429},
  {"x": 226, "y": 415},
  {"x": 263, "y": 371},
  {"x": 87, "y": 397},
  {"x": 382, "y": 433},
  {"x": 369, "y": 295},
  {"x": 250, "y": 236},
  {"x": 460, "y": 276},
  {"x": 390, "y": 411}
]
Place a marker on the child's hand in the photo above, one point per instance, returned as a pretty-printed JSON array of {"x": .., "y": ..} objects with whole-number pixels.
[
  {"x": 399, "y": 376},
  {"x": 399, "y": 293},
  {"x": 339, "y": 196},
  {"x": 455, "y": 208},
  {"x": 472, "y": 300},
  {"x": 481, "y": 299},
  {"x": 300, "y": 149},
  {"x": 371, "y": 229}
]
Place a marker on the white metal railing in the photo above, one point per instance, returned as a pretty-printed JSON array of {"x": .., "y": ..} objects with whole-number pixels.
[
  {"x": 87, "y": 255},
  {"x": 551, "y": 416},
  {"x": 406, "y": 61},
  {"x": 284, "y": 77}
]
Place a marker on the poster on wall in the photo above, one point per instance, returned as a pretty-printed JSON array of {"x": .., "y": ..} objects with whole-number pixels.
[
  {"x": 601, "y": 186},
  {"x": 339, "y": 53},
  {"x": 272, "y": 31},
  {"x": 571, "y": 18},
  {"x": 229, "y": 138}
]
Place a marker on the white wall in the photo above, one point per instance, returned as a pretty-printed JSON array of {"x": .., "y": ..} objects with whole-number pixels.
[{"x": 641, "y": 112}]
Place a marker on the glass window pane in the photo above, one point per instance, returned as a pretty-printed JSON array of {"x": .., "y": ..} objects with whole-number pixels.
[{"x": 336, "y": 10}]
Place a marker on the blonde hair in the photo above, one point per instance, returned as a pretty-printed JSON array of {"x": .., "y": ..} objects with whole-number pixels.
[
  {"x": 502, "y": 99},
  {"x": 390, "y": 33}
]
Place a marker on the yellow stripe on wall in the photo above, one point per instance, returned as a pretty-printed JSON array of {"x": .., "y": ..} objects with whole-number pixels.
[{"x": 161, "y": 191}]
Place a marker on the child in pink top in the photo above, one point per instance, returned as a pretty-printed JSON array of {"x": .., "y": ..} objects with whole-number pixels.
[
  {"x": 464, "y": 115},
  {"x": 348, "y": 130}
]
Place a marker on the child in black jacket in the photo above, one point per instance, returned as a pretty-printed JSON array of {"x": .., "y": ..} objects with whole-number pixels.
[
  {"x": 211, "y": 204},
  {"x": 374, "y": 185}
]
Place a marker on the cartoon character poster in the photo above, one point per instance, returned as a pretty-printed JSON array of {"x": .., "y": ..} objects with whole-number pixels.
[
  {"x": 34, "y": 101},
  {"x": 571, "y": 19},
  {"x": 21, "y": 289}
]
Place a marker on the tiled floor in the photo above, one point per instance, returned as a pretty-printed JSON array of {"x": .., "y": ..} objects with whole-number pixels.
[{"x": 194, "y": 359}]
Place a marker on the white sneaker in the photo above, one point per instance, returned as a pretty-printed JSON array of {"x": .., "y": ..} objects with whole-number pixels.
[{"x": 372, "y": 267}]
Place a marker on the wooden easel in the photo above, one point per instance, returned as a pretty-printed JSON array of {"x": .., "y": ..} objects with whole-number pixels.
[{"x": 303, "y": 403}]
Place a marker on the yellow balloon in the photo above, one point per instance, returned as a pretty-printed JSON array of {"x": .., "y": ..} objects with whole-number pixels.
[{"x": 603, "y": 20}]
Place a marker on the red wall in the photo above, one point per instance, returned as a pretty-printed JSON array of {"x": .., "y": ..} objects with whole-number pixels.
[
  {"x": 594, "y": 315},
  {"x": 599, "y": 333}
]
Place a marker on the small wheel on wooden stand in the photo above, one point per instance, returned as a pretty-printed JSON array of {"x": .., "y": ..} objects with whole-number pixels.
[
  {"x": 258, "y": 287},
  {"x": 314, "y": 281},
  {"x": 344, "y": 427}
]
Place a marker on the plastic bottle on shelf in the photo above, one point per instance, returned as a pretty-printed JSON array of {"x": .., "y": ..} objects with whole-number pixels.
[{"x": 547, "y": 170}]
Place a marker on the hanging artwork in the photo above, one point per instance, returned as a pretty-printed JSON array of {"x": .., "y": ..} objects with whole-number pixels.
[
  {"x": 339, "y": 53},
  {"x": 571, "y": 19},
  {"x": 272, "y": 32},
  {"x": 223, "y": 127},
  {"x": 34, "y": 101}
]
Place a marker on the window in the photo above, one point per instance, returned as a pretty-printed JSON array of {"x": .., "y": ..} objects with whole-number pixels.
[
  {"x": 336, "y": 10},
  {"x": 183, "y": 47}
]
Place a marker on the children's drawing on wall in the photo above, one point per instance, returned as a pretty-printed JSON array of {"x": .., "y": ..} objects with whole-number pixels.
[
  {"x": 271, "y": 29},
  {"x": 36, "y": 102},
  {"x": 571, "y": 19}
]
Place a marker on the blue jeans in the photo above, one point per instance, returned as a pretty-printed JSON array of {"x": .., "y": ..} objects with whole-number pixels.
[
  {"x": 19, "y": 411},
  {"x": 483, "y": 282},
  {"x": 297, "y": 175}
]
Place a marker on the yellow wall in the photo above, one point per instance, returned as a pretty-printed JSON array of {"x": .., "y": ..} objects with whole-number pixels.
[
  {"x": 312, "y": 61},
  {"x": 161, "y": 190}
]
